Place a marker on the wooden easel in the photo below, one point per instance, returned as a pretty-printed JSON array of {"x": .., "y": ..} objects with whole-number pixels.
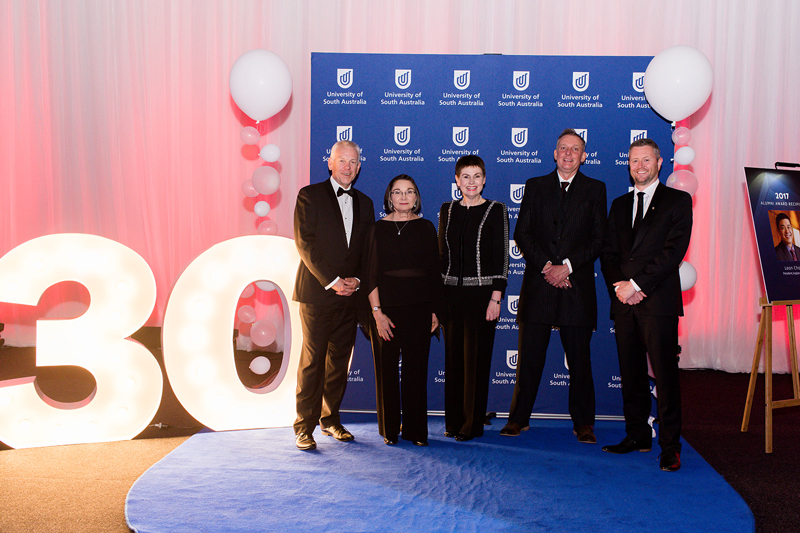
[{"x": 765, "y": 338}]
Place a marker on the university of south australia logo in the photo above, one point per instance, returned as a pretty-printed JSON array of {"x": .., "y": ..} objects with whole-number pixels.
[
  {"x": 402, "y": 78},
  {"x": 455, "y": 192},
  {"x": 519, "y": 137},
  {"x": 583, "y": 133},
  {"x": 402, "y": 134},
  {"x": 513, "y": 250},
  {"x": 461, "y": 79},
  {"x": 580, "y": 81},
  {"x": 511, "y": 359},
  {"x": 637, "y": 135},
  {"x": 344, "y": 77},
  {"x": 344, "y": 133},
  {"x": 521, "y": 79},
  {"x": 513, "y": 304},
  {"x": 517, "y": 192},
  {"x": 460, "y": 135},
  {"x": 638, "y": 82}
]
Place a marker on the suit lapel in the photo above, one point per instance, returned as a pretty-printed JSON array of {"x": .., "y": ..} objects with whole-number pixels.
[{"x": 331, "y": 195}]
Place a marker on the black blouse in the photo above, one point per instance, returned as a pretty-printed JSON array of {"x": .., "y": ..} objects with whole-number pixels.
[
  {"x": 473, "y": 244},
  {"x": 403, "y": 263}
]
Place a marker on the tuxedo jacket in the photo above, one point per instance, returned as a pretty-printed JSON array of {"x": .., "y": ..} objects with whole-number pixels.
[
  {"x": 653, "y": 256},
  {"x": 553, "y": 227},
  {"x": 321, "y": 240},
  {"x": 783, "y": 253}
]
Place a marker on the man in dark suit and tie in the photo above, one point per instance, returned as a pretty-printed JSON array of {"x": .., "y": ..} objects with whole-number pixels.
[
  {"x": 559, "y": 232},
  {"x": 331, "y": 224},
  {"x": 786, "y": 250},
  {"x": 646, "y": 239}
]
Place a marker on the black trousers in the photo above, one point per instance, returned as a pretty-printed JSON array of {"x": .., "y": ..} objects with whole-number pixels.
[
  {"x": 468, "y": 344},
  {"x": 329, "y": 333},
  {"x": 637, "y": 336},
  {"x": 533, "y": 342},
  {"x": 412, "y": 339}
]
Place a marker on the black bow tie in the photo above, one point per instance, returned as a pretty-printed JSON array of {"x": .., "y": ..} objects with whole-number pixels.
[{"x": 345, "y": 191}]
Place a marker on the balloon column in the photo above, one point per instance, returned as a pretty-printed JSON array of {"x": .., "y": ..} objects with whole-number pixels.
[
  {"x": 261, "y": 85},
  {"x": 677, "y": 83}
]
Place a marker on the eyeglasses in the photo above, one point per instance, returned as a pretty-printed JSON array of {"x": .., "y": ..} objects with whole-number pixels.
[{"x": 397, "y": 193}]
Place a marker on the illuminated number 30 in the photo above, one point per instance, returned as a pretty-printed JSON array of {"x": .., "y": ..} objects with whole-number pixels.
[{"x": 198, "y": 353}]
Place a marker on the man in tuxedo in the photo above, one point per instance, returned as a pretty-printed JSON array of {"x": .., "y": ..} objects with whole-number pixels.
[
  {"x": 559, "y": 232},
  {"x": 331, "y": 223},
  {"x": 786, "y": 250},
  {"x": 646, "y": 239}
]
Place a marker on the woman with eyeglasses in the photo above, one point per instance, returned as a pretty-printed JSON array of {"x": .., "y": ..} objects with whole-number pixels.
[
  {"x": 404, "y": 288},
  {"x": 473, "y": 246}
]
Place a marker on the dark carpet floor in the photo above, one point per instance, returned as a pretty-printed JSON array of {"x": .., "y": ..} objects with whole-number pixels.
[{"x": 713, "y": 404}]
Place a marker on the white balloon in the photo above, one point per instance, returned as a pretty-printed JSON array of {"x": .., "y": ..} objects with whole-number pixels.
[
  {"x": 261, "y": 208},
  {"x": 266, "y": 180},
  {"x": 684, "y": 155},
  {"x": 265, "y": 286},
  {"x": 678, "y": 82},
  {"x": 688, "y": 275},
  {"x": 260, "y": 365},
  {"x": 270, "y": 153},
  {"x": 260, "y": 84}
]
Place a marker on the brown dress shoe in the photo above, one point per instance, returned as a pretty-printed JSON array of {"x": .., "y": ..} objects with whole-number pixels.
[
  {"x": 585, "y": 434},
  {"x": 512, "y": 429},
  {"x": 305, "y": 441}
]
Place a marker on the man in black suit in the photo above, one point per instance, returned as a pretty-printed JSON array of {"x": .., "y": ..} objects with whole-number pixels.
[
  {"x": 646, "y": 239},
  {"x": 559, "y": 232},
  {"x": 786, "y": 250},
  {"x": 331, "y": 224}
]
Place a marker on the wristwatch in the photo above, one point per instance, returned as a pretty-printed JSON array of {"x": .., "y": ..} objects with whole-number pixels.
[{"x": 375, "y": 308}]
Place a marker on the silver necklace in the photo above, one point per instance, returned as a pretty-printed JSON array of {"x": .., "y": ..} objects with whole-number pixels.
[{"x": 399, "y": 229}]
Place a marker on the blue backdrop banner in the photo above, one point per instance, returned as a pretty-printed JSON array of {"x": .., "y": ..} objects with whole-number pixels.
[{"x": 416, "y": 114}]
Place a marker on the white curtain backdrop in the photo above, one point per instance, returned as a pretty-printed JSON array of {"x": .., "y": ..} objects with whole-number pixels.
[{"x": 116, "y": 120}]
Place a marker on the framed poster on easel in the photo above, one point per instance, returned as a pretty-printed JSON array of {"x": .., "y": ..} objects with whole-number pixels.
[{"x": 775, "y": 208}]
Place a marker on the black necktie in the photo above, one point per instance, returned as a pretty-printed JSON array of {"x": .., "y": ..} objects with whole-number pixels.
[
  {"x": 344, "y": 191},
  {"x": 564, "y": 185},
  {"x": 639, "y": 211}
]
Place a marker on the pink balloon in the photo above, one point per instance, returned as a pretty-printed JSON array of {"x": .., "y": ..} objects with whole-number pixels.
[
  {"x": 248, "y": 291},
  {"x": 266, "y": 180},
  {"x": 248, "y": 189},
  {"x": 250, "y": 135},
  {"x": 263, "y": 333},
  {"x": 268, "y": 227},
  {"x": 683, "y": 180},
  {"x": 681, "y": 136},
  {"x": 246, "y": 314}
]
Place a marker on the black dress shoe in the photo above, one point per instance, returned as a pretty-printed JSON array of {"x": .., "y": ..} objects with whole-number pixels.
[
  {"x": 670, "y": 461},
  {"x": 338, "y": 432},
  {"x": 305, "y": 441},
  {"x": 420, "y": 442},
  {"x": 450, "y": 434},
  {"x": 512, "y": 429},
  {"x": 460, "y": 437},
  {"x": 626, "y": 446},
  {"x": 390, "y": 442}
]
